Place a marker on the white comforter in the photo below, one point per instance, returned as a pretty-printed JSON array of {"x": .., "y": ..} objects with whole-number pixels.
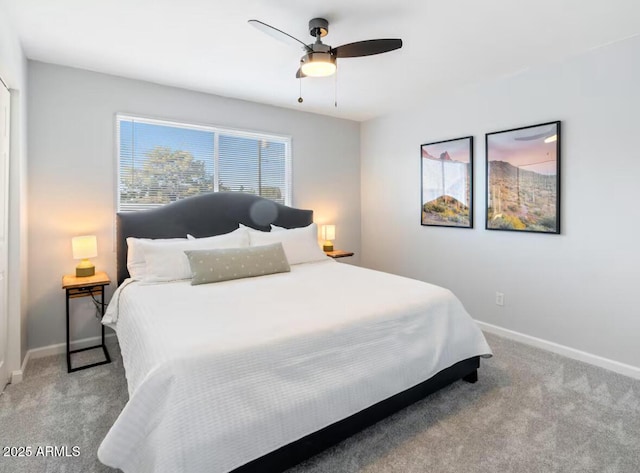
[{"x": 221, "y": 374}]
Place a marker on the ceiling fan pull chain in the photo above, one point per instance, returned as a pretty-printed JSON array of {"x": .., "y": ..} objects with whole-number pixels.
[{"x": 300, "y": 99}]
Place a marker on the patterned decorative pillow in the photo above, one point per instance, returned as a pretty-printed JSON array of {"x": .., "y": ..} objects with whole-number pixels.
[{"x": 208, "y": 266}]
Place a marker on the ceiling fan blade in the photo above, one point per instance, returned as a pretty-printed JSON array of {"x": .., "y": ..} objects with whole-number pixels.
[
  {"x": 278, "y": 34},
  {"x": 300, "y": 74},
  {"x": 367, "y": 48}
]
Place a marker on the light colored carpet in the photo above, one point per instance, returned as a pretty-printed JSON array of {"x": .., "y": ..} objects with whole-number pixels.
[
  {"x": 54, "y": 408},
  {"x": 531, "y": 411}
]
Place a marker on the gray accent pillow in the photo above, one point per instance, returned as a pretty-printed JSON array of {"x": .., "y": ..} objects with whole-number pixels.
[{"x": 224, "y": 264}]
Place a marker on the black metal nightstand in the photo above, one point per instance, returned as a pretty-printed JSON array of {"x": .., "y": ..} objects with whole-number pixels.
[{"x": 82, "y": 287}]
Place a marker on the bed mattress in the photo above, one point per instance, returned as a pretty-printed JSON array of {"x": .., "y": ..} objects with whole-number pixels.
[{"x": 221, "y": 374}]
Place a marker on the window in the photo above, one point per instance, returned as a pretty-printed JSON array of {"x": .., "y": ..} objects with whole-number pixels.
[{"x": 160, "y": 162}]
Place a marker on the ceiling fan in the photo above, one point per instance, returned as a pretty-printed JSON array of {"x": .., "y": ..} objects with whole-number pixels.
[{"x": 319, "y": 59}]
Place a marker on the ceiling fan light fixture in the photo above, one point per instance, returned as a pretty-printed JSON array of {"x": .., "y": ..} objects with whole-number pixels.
[{"x": 318, "y": 64}]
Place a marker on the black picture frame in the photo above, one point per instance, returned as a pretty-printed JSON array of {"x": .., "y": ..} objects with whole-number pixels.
[
  {"x": 447, "y": 201},
  {"x": 523, "y": 184}
]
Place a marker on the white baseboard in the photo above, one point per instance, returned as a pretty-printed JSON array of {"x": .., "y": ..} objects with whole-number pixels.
[
  {"x": 56, "y": 349},
  {"x": 62, "y": 347},
  {"x": 16, "y": 376},
  {"x": 612, "y": 365}
]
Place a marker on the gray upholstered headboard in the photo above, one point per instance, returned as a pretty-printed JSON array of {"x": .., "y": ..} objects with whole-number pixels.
[{"x": 204, "y": 215}]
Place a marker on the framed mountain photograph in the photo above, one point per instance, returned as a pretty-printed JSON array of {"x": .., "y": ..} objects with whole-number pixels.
[
  {"x": 523, "y": 179},
  {"x": 447, "y": 183}
]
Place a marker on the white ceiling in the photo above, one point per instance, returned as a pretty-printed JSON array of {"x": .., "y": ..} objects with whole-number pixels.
[{"x": 208, "y": 45}]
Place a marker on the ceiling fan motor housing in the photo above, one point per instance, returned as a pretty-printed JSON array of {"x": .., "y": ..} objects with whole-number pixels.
[{"x": 319, "y": 47}]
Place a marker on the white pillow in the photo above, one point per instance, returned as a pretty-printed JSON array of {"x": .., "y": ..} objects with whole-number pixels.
[
  {"x": 278, "y": 229},
  {"x": 191, "y": 237},
  {"x": 250, "y": 229},
  {"x": 300, "y": 244},
  {"x": 136, "y": 264},
  {"x": 168, "y": 261}
]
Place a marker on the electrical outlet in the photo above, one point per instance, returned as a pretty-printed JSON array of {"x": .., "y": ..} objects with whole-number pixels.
[{"x": 499, "y": 298}]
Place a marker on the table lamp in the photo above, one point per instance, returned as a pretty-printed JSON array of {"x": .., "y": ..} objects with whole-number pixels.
[
  {"x": 84, "y": 247},
  {"x": 328, "y": 235}
]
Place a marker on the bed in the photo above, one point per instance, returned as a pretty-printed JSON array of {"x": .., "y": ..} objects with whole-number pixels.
[{"x": 258, "y": 374}]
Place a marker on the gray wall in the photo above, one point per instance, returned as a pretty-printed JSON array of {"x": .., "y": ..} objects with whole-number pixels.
[
  {"x": 577, "y": 289},
  {"x": 72, "y": 172},
  {"x": 13, "y": 70}
]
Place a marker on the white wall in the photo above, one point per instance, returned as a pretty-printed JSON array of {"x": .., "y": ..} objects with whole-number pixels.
[
  {"x": 13, "y": 70},
  {"x": 577, "y": 289},
  {"x": 72, "y": 172}
]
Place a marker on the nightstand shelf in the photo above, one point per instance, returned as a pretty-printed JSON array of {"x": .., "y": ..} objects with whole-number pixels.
[
  {"x": 338, "y": 254},
  {"x": 91, "y": 286}
]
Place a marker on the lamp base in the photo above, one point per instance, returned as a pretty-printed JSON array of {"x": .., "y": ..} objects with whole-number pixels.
[
  {"x": 85, "y": 272},
  {"x": 326, "y": 247}
]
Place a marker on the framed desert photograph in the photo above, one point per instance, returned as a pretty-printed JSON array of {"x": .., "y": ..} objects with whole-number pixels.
[
  {"x": 523, "y": 179},
  {"x": 447, "y": 183}
]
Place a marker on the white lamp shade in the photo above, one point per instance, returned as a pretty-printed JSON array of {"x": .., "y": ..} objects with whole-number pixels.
[
  {"x": 84, "y": 247},
  {"x": 328, "y": 232}
]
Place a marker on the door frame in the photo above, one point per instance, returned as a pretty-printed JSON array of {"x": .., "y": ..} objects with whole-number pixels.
[{"x": 5, "y": 133}]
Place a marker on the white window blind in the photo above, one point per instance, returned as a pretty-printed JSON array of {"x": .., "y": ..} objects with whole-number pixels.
[{"x": 160, "y": 162}]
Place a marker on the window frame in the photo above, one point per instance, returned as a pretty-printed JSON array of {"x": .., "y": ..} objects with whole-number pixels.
[{"x": 286, "y": 140}]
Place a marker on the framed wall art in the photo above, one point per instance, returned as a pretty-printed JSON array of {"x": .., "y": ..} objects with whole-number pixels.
[
  {"x": 447, "y": 183},
  {"x": 523, "y": 179}
]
